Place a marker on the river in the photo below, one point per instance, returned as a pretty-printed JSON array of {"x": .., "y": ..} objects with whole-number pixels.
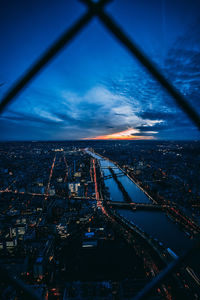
[{"x": 155, "y": 223}]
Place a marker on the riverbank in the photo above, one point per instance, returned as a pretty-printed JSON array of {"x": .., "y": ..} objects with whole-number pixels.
[{"x": 121, "y": 169}]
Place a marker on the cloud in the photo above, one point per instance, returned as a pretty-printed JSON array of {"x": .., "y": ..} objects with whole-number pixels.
[
  {"x": 97, "y": 112},
  {"x": 182, "y": 64},
  {"x": 131, "y": 100}
]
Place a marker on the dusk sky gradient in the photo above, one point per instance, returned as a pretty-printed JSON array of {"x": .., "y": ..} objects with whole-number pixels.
[{"x": 94, "y": 89}]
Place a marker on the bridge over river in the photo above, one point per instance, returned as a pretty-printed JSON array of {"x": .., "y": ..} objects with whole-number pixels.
[
  {"x": 138, "y": 206},
  {"x": 148, "y": 215}
]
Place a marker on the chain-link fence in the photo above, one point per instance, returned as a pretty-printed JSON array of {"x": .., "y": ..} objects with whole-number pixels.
[{"x": 96, "y": 9}]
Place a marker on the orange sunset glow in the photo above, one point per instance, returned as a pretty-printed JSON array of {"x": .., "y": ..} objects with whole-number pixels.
[{"x": 123, "y": 135}]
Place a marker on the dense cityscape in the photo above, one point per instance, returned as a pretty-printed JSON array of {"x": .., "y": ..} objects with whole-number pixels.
[{"x": 99, "y": 219}]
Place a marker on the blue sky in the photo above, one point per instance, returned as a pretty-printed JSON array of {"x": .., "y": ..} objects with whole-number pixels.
[{"x": 94, "y": 88}]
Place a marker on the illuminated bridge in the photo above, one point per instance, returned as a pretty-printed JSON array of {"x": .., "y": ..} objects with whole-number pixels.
[{"x": 140, "y": 206}]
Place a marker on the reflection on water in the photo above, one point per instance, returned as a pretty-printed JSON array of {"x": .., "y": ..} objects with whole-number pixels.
[
  {"x": 155, "y": 223},
  {"x": 135, "y": 193},
  {"x": 159, "y": 226}
]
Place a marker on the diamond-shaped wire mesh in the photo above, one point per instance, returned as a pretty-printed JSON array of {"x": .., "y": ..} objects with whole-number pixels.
[{"x": 96, "y": 9}]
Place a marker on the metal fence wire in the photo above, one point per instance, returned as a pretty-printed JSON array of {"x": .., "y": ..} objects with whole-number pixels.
[{"x": 96, "y": 9}]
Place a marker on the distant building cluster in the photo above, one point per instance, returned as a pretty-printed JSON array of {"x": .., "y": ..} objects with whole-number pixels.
[{"x": 45, "y": 197}]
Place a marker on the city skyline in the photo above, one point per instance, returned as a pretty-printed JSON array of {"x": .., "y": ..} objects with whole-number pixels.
[
  {"x": 89, "y": 220},
  {"x": 94, "y": 89}
]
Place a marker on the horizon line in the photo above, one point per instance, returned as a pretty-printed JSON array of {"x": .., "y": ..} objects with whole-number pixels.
[{"x": 98, "y": 140}]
